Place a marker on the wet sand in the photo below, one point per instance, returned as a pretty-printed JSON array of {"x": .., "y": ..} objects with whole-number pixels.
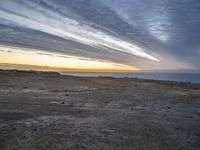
[{"x": 47, "y": 111}]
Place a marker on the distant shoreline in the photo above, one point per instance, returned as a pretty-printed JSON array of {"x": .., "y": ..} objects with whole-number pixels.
[
  {"x": 100, "y": 75},
  {"x": 157, "y": 76}
]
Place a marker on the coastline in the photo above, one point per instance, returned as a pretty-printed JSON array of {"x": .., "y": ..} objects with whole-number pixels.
[
  {"x": 161, "y": 76},
  {"x": 46, "y": 110},
  {"x": 98, "y": 75}
]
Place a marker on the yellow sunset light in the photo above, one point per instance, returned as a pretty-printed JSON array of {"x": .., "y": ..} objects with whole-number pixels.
[{"x": 20, "y": 56}]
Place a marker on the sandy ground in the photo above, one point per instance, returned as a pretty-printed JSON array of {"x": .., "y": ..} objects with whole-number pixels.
[{"x": 46, "y": 111}]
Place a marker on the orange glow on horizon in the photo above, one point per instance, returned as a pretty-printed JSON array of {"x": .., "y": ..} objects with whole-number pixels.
[{"x": 10, "y": 55}]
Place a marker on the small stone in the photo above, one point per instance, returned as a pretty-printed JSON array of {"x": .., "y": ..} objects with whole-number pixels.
[
  {"x": 66, "y": 94},
  {"x": 3, "y": 140},
  {"x": 188, "y": 141}
]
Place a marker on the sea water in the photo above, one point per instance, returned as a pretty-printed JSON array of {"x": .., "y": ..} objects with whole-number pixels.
[{"x": 179, "y": 77}]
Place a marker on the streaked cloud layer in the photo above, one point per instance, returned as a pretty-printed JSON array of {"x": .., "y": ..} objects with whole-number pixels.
[
  {"x": 142, "y": 34},
  {"x": 54, "y": 61}
]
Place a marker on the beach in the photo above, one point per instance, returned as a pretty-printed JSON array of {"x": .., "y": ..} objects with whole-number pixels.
[{"x": 49, "y": 111}]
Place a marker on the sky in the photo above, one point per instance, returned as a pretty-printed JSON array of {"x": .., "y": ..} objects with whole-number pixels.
[{"x": 100, "y": 35}]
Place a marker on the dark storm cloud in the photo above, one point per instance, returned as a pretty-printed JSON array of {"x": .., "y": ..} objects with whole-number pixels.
[{"x": 146, "y": 34}]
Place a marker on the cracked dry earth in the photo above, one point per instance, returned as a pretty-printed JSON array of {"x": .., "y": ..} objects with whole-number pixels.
[{"x": 47, "y": 111}]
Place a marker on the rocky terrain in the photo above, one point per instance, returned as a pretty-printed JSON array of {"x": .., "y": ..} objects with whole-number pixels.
[{"x": 47, "y": 111}]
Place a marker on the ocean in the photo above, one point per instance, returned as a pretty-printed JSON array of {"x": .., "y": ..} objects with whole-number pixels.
[{"x": 179, "y": 77}]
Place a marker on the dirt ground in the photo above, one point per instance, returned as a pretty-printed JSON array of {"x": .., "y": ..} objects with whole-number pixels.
[{"x": 47, "y": 111}]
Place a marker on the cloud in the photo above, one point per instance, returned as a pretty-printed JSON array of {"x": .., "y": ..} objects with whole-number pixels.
[
  {"x": 172, "y": 26},
  {"x": 68, "y": 28},
  {"x": 135, "y": 34}
]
